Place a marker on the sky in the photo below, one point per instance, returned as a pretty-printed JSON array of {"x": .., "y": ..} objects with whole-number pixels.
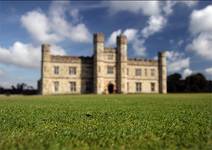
[{"x": 181, "y": 28}]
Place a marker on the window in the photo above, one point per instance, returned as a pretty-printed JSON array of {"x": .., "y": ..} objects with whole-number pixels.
[
  {"x": 56, "y": 86},
  {"x": 72, "y": 70},
  {"x": 110, "y": 57},
  {"x": 56, "y": 69},
  {"x": 109, "y": 70},
  {"x": 127, "y": 71},
  {"x": 128, "y": 87},
  {"x": 73, "y": 86},
  {"x": 138, "y": 86},
  {"x": 138, "y": 72},
  {"x": 152, "y": 72},
  {"x": 152, "y": 87},
  {"x": 145, "y": 71}
]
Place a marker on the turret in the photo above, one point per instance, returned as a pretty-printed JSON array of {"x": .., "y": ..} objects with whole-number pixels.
[
  {"x": 121, "y": 60},
  {"x": 162, "y": 72},
  {"x": 45, "y": 49},
  {"x": 98, "y": 41},
  {"x": 122, "y": 47},
  {"x": 45, "y": 59}
]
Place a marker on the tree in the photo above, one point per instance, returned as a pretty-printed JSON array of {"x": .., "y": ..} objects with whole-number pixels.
[
  {"x": 173, "y": 82},
  {"x": 193, "y": 83},
  {"x": 19, "y": 88},
  {"x": 196, "y": 83},
  {"x": 1, "y": 89}
]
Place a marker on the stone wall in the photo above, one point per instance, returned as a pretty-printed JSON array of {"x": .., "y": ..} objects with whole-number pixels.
[
  {"x": 146, "y": 78},
  {"x": 84, "y": 74}
]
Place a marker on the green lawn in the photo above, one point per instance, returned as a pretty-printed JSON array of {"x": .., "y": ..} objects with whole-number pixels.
[{"x": 175, "y": 121}]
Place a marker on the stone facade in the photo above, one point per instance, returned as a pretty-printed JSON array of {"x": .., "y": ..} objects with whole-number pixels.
[{"x": 109, "y": 70}]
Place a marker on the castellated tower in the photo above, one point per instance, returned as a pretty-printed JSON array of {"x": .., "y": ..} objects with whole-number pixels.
[
  {"x": 121, "y": 60},
  {"x": 98, "y": 42},
  {"x": 45, "y": 59},
  {"x": 162, "y": 72}
]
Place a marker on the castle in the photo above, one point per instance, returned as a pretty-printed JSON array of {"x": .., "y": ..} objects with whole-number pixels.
[{"x": 109, "y": 70}]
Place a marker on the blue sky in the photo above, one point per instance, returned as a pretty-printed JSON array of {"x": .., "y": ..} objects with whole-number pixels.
[{"x": 182, "y": 28}]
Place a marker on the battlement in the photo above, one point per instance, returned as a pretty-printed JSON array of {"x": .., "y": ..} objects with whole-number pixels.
[
  {"x": 162, "y": 54},
  {"x": 45, "y": 47},
  {"x": 71, "y": 59},
  {"x": 143, "y": 62},
  {"x": 121, "y": 39},
  {"x": 109, "y": 50},
  {"x": 98, "y": 37}
]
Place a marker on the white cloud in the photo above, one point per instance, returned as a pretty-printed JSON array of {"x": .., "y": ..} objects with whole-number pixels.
[
  {"x": 202, "y": 45},
  {"x": 131, "y": 34},
  {"x": 147, "y": 8},
  {"x": 57, "y": 50},
  {"x": 50, "y": 27},
  {"x": 24, "y": 55},
  {"x": 201, "y": 29},
  {"x": 178, "y": 65},
  {"x": 74, "y": 13},
  {"x": 138, "y": 46},
  {"x": 177, "y": 61},
  {"x": 38, "y": 25},
  {"x": 80, "y": 33},
  {"x": 168, "y": 7},
  {"x": 155, "y": 24},
  {"x": 201, "y": 20},
  {"x": 74, "y": 32},
  {"x": 158, "y": 21},
  {"x": 209, "y": 71},
  {"x": 157, "y": 12},
  {"x": 112, "y": 39},
  {"x": 186, "y": 72},
  {"x": 54, "y": 27}
]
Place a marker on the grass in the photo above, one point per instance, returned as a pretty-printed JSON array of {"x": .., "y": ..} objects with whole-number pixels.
[{"x": 174, "y": 121}]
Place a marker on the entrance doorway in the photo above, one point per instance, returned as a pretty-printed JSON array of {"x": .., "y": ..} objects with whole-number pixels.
[{"x": 110, "y": 88}]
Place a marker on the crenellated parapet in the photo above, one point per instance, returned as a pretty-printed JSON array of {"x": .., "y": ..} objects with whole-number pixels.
[
  {"x": 142, "y": 62},
  {"x": 98, "y": 37},
  {"x": 109, "y": 50},
  {"x": 70, "y": 59},
  {"x": 46, "y": 52}
]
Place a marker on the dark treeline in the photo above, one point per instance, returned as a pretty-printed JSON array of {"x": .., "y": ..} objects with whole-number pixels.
[
  {"x": 193, "y": 83},
  {"x": 20, "y": 88}
]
